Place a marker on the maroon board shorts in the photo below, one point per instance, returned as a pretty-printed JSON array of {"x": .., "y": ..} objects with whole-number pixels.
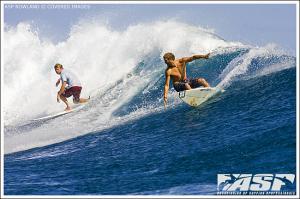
[{"x": 75, "y": 91}]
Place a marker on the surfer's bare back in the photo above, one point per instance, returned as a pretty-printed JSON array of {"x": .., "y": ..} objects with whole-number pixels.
[{"x": 176, "y": 69}]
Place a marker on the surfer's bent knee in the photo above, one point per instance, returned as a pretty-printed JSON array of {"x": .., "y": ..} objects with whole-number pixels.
[{"x": 201, "y": 80}]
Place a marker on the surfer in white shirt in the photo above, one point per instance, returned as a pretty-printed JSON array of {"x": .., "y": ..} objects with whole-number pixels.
[{"x": 70, "y": 86}]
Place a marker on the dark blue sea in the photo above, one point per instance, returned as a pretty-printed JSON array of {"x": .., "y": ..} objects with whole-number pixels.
[{"x": 143, "y": 149}]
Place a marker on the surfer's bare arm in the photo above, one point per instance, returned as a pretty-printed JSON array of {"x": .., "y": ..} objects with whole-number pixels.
[
  {"x": 61, "y": 90},
  {"x": 194, "y": 57},
  {"x": 166, "y": 88}
]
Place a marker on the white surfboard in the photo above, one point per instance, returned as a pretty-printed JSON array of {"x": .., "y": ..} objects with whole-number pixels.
[
  {"x": 197, "y": 96},
  {"x": 54, "y": 115}
]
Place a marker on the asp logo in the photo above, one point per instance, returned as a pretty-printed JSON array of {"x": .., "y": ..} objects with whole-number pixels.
[{"x": 257, "y": 182}]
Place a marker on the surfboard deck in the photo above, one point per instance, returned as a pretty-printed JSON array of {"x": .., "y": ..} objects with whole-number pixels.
[
  {"x": 54, "y": 115},
  {"x": 195, "y": 97}
]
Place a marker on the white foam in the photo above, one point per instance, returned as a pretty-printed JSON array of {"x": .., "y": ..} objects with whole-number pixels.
[{"x": 240, "y": 65}]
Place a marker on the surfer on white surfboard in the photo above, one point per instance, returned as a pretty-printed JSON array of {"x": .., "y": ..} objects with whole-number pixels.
[
  {"x": 70, "y": 86},
  {"x": 176, "y": 69}
]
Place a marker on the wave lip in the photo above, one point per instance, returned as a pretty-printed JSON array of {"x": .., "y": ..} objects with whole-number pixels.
[{"x": 241, "y": 65}]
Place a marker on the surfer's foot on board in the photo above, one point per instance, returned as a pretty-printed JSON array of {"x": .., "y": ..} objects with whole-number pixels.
[
  {"x": 68, "y": 108},
  {"x": 83, "y": 100}
]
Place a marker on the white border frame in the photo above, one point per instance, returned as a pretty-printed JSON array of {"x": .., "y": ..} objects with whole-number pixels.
[{"x": 157, "y": 196}]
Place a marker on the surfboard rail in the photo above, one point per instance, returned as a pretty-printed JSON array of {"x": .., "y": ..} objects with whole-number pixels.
[
  {"x": 55, "y": 115},
  {"x": 195, "y": 97}
]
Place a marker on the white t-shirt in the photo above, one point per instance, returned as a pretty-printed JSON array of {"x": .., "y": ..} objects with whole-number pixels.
[{"x": 70, "y": 78}]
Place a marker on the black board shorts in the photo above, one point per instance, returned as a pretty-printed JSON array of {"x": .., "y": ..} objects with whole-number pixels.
[{"x": 180, "y": 86}]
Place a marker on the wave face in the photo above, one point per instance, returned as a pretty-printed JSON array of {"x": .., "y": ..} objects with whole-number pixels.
[{"x": 123, "y": 141}]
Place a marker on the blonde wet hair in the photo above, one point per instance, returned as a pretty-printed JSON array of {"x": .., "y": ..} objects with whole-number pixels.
[
  {"x": 58, "y": 66},
  {"x": 169, "y": 56}
]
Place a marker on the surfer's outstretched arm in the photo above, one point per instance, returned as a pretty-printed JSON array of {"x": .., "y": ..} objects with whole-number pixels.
[
  {"x": 194, "y": 57},
  {"x": 166, "y": 88}
]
